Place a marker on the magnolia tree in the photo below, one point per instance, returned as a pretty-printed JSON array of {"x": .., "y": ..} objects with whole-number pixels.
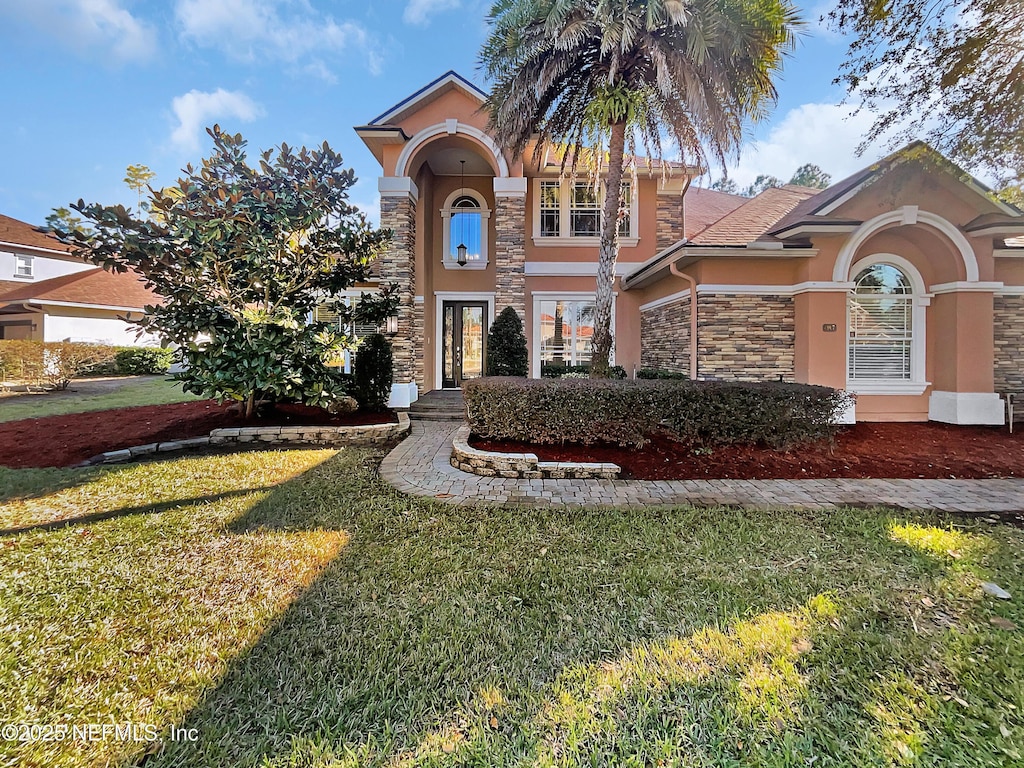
[{"x": 241, "y": 257}]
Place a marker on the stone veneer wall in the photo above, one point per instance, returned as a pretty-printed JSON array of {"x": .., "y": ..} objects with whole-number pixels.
[
  {"x": 1008, "y": 335},
  {"x": 398, "y": 266},
  {"x": 743, "y": 337},
  {"x": 665, "y": 337},
  {"x": 510, "y": 253},
  {"x": 670, "y": 220}
]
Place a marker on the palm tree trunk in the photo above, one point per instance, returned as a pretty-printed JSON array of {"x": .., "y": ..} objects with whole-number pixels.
[{"x": 609, "y": 252}]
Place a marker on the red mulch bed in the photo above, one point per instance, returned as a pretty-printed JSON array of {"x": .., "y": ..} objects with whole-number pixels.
[
  {"x": 865, "y": 450},
  {"x": 63, "y": 441}
]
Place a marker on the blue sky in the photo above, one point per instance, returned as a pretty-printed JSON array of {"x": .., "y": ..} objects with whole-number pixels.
[{"x": 92, "y": 86}]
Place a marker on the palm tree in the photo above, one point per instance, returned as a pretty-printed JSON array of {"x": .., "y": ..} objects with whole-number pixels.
[{"x": 590, "y": 76}]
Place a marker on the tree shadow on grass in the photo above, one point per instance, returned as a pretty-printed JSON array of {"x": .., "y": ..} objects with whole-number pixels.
[
  {"x": 484, "y": 636},
  {"x": 24, "y": 484}
]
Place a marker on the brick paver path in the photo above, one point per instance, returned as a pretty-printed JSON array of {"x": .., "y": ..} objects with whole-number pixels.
[{"x": 419, "y": 466}]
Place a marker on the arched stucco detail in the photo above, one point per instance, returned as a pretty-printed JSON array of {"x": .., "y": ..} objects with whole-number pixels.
[
  {"x": 907, "y": 215},
  {"x": 449, "y": 128}
]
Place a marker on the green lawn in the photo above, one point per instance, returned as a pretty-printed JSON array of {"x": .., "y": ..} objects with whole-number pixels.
[
  {"x": 295, "y": 611},
  {"x": 144, "y": 390}
]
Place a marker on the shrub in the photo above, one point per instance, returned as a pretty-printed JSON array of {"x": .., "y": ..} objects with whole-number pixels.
[
  {"x": 373, "y": 373},
  {"x": 137, "y": 361},
  {"x": 506, "y": 346},
  {"x": 559, "y": 370},
  {"x": 627, "y": 413},
  {"x": 52, "y": 363},
  {"x": 658, "y": 373}
]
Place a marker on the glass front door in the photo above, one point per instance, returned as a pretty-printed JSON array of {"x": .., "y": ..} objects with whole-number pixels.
[{"x": 463, "y": 342}]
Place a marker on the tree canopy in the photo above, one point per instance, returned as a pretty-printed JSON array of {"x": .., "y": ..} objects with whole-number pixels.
[
  {"x": 951, "y": 71},
  {"x": 596, "y": 77},
  {"x": 807, "y": 175},
  {"x": 241, "y": 257}
]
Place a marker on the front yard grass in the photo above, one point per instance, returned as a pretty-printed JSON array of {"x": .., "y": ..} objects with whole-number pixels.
[
  {"x": 138, "y": 390},
  {"x": 295, "y": 611}
]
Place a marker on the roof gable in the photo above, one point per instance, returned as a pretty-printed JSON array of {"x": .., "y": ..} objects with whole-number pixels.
[{"x": 450, "y": 80}]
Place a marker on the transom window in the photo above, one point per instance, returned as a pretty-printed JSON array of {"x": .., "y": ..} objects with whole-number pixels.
[
  {"x": 23, "y": 266},
  {"x": 882, "y": 326},
  {"x": 465, "y": 218},
  {"x": 567, "y": 210}
]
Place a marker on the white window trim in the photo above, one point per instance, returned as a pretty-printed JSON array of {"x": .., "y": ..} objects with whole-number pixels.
[
  {"x": 564, "y": 238},
  {"x": 30, "y": 261},
  {"x": 440, "y": 297},
  {"x": 485, "y": 228},
  {"x": 345, "y": 297},
  {"x": 538, "y": 297},
  {"x": 917, "y": 384}
]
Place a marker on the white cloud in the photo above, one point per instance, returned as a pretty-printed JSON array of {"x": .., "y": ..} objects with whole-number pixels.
[
  {"x": 196, "y": 109},
  {"x": 824, "y": 134},
  {"x": 420, "y": 11},
  {"x": 259, "y": 29},
  {"x": 88, "y": 25}
]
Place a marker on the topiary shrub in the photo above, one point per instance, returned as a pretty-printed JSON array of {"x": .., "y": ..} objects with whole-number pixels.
[
  {"x": 627, "y": 413},
  {"x": 139, "y": 361},
  {"x": 506, "y": 346},
  {"x": 373, "y": 373}
]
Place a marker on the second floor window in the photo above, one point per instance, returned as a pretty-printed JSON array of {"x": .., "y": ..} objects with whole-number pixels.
[
  {"x": 465, "y": 218},
  {"x": 23, "y": 266},
  {"x": 574, "y": 210}
]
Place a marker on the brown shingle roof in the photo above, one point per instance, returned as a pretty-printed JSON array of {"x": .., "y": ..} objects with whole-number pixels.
[
  {"x": 703, "y": 207},
  {"x": 750, "y": 221},
  {"x": 94, "y": 287},
  {"x": 22, "y": 233}
]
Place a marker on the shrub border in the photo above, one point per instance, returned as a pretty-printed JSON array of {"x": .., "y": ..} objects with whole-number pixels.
[
  {"x": 355, "y": 435},
  {"x": 525, "y": 466}
]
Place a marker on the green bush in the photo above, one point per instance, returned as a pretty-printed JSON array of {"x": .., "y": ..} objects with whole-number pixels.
[
  {"x": 54, "y": 364},
  {"x": 373, "y": 373},
  {"x": 138, "y": 361},
  {"x": 506, "y": 346},
  {"x": 627, "y": 413},
  {"x": 658, "y": 373},
  {"x": 558, "y": 370}
]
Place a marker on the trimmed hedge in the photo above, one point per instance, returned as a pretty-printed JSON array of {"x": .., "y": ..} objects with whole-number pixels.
[
  {"x": 51, "y": 363},
  {"x": 627, "y": 413},
  {"x": 557, "y": 370},
  {"x": 137, "y": 361},
  {"x": 658, "y": 373}
]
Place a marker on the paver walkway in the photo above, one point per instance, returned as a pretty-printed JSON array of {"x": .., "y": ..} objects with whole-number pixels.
[{"x": 419, "y": 466}]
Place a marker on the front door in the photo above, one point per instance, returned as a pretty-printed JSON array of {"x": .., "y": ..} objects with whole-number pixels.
[{"x": 464, "y": 340}]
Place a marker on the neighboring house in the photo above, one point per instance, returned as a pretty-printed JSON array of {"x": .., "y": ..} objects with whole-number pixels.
[
  {"x": 48, "y": 294},
  {"x": 903, "y": 283}
]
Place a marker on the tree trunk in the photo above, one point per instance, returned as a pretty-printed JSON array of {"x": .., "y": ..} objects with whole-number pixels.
[
  {"x": 609, "y": 253},
  {"x": 250, "y": 405}
]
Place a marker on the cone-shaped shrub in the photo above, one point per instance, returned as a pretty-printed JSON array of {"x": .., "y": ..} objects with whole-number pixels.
[
  {"x": 506, "y": 346},
  {"x": 373, "y": 373}
]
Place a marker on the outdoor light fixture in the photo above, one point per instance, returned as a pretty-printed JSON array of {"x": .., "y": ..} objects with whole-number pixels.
[
  {"x": 391, "y": 325},
  {"x": 461, "y": 248}
]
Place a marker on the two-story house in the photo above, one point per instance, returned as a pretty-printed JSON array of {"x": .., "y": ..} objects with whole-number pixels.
[
  {"x": 903, "y": 283},
  {"x": 48, "y": 294}
]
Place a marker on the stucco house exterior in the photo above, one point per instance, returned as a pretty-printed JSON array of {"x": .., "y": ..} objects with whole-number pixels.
[
  {"x": 48, "y": 294},
  {"x": 903, "y": 283}
]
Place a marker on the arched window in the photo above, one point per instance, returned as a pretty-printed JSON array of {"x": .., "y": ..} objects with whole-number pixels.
[
  {"x": 465, "y": 218},
  {"x": 886, "y": 328}
]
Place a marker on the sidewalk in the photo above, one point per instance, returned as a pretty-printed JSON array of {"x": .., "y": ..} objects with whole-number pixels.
[{"x": 419, "y": 466}]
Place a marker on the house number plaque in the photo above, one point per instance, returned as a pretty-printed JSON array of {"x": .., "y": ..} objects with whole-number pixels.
[{"x": 829, "y": 327}]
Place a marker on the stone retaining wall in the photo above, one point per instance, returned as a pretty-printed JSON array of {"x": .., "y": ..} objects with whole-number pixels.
[
  {"x": 1007, "y": 322},
  {"x": 363, "y": 436},
  {"x": 665, "y": 337},
  {"x": 523, "y": 465},
  {"x": 744, "y": 337}
]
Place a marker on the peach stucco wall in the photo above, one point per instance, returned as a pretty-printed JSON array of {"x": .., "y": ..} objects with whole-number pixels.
[{"x": 958, "y": 326}]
